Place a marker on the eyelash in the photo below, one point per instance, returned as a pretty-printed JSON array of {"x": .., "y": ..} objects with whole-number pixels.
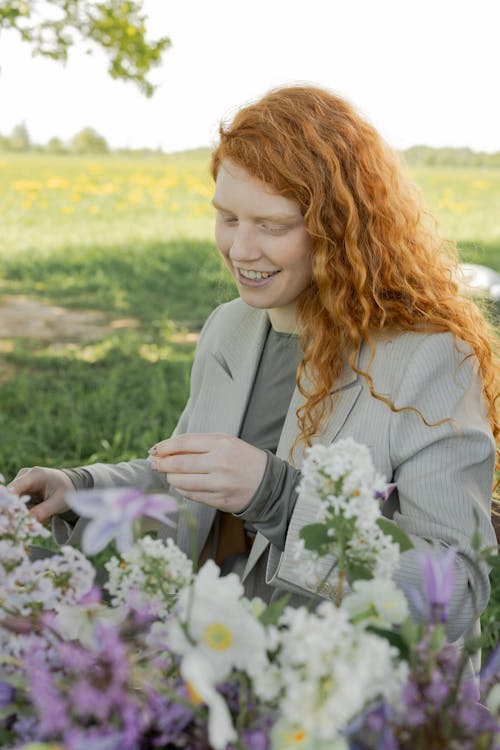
[{"x": 272, "y": 229}]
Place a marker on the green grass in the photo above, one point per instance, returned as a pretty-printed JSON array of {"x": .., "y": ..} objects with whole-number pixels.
[{"x": 132, "y": 237}]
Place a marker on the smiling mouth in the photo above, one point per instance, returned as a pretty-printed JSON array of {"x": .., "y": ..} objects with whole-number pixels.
[{"x": 256, "y": 275}]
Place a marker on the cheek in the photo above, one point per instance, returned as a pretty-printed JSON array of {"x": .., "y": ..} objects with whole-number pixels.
[{"x": 222, "y": 242}]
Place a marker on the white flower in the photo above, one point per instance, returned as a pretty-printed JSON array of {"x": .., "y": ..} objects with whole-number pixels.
[
  {"x": 78, "y": 623},
  {"x": 46, "y": 584},
  {"x": 219, "y": 625},
  {"x": 198, "y": 673},
  {"x": 16, "y": 522},
  {"x": 341, "y": 486},
  {"x": 330, "y": 670},
  {"x": 286, "y": 736},
  {"x": 152, "y": 571},
  {"x": 493, "y": 700},
  {"x": 379, "y": 601}
]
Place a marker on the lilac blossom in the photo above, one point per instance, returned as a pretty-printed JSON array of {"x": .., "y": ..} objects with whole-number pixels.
[
  {"x": 438, "y": 571},
  {"x": 6, "y": 694},
  {"x": 50, "y": 705},
  {"x": 114, "y": 512},
  {"x": 170, "y": 718},
  {"x": 491, "y": 668},
  {"x": 384, "y": 494}
]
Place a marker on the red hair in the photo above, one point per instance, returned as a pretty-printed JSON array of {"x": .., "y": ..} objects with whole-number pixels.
[{"x": 378, "y": 260}]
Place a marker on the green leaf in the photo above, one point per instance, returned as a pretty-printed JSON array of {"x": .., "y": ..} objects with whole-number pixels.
[
  {"x": 315, "y": 536},
  {"x": 437, "y": 639},
  {"x": 390, "y": 529},
  {"x": 273, "y": 611},
  {"x": 411, "y": 632},
  {"x": 394, "y": 638},
  {"x": 357, "y": 571},
  {"x": 474, "y": 644},
  {"x": 493, "y": 561}
]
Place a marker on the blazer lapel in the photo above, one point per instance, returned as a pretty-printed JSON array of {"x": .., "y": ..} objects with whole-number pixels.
[
  {"x": 344, "y": 396},
  {"x": 232, "y": 370}
]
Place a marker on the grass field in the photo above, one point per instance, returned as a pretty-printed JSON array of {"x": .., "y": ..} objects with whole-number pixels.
[{"x": 132, "y": 237}]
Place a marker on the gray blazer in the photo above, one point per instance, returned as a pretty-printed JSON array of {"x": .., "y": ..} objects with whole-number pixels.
[{"x": 442, "y": 473}]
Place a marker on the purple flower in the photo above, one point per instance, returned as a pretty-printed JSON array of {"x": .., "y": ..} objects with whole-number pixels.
[
  {"x": 438, "y": 571},
  {"x": 491, "y": 669},
  {"x": 94, "y": 739},
  {"x": 50, "y": 705},
  {"x": 6, "y": 694},
  {"x": 415, "y": 708},
  {"x": 438, "y": 688},
  {"x": 170, "y": 719},
  {"x": 384, "y": 495},
  {"x": 255, "y": 739},
  {"x": 113, "y": 513}
]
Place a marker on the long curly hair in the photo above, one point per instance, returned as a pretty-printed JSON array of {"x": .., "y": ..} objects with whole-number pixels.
[{"x": 378, "y": 260}]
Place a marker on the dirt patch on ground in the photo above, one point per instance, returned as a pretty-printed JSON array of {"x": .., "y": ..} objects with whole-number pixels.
[{"x": 31, "y": 318}]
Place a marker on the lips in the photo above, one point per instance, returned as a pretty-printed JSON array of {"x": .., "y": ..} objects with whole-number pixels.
[
  {"x": 256, "y": 275},
  {"x": 254, "y": 278}
]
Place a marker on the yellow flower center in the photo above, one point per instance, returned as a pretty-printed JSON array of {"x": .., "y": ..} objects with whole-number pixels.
[
  {"x": 217, "y": 636},
  {"x": 294, "y": 738},
  {"x": 193, "y": 694}
]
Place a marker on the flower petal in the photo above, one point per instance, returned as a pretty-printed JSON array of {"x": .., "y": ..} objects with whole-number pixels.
[
  {"x": 98, "y": 534},
  {"x": 198, "y": 671}
]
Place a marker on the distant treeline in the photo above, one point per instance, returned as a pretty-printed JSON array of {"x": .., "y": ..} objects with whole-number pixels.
[
  {"x": 450, "y": 157},
  {"x": 88, "y": 140}
]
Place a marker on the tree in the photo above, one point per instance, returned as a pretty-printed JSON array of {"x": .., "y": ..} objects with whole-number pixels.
[
  {"x": 55, "y": 145},
  {"x": 88, "y": 141},
  {"x": 116, "y": 26},
  {"x": 19, "y": 139}
]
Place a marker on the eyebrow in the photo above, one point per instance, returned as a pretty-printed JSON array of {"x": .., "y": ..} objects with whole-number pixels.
[{"x": 269, "y": 217}]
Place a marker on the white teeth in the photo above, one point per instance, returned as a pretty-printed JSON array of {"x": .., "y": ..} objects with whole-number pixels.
[{"x": 255, "y": 274}]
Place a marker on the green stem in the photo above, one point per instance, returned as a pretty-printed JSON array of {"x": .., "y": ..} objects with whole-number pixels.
[{"x": 317, "y": 593}]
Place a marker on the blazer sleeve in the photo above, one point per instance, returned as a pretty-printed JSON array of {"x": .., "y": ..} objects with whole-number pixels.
[
  {"x": 137, "y": 473},
  {"x": 444, "y": 473}
]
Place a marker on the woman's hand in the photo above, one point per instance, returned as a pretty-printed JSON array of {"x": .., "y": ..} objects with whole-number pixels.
[
  {"x": 216, "y": 469},
  {"x": 46, "y": 487}
]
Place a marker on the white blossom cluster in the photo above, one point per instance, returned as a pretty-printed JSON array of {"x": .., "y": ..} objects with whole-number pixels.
[
  {"x": 340, "y": 482},
  {"x": 152, "y": 572},
  {"x": 329, "y": 670},
  {"x": 30, "y": 587}
]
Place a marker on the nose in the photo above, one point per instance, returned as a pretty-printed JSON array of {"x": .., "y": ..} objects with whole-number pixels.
[{"x": 244, "y": 245}]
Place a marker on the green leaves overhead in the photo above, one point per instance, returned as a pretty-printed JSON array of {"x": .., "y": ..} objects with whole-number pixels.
[{"x": 115, "y": 26}]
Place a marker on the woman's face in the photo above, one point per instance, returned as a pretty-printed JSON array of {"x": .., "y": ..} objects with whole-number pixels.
[{"x": 263, "y": 240}]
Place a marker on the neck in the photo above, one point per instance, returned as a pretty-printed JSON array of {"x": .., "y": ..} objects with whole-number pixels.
[{"x": 284, "y": 319}]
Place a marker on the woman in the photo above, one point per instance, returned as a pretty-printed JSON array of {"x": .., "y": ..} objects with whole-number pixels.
[{"x": 348, "y": 323}]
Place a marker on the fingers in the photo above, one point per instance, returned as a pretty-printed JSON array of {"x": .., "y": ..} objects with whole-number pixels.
[
  {"x": 189, "y": 443},
  {"x": 47, "y": 485},
  {"x": 27, "y": 481},
  {"x": 184, "y": 463},
  {"x": 48, "y": 508},
  {"x": 194, "y": 482}
]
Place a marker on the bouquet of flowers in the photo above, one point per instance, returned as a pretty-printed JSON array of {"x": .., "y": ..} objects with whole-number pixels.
[{"x": 164, "y": 656}]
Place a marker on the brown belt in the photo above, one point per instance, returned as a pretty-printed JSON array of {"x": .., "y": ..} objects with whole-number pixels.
[{"x": 233, "y": 539}]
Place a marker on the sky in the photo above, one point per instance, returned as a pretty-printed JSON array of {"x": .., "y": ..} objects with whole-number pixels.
[{"x": 421, "y": 71}]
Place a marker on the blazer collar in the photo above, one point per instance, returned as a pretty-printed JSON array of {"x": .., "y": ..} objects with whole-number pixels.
[{"x": 239, "y": 351}]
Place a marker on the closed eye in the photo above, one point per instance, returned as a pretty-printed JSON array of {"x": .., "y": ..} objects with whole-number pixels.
[
  {"x": 275, "y": 228},
  {"x": 228, "y": 219}
]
